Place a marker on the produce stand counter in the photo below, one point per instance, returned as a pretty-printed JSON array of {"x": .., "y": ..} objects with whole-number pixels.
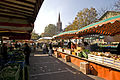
[
  {"x": 14, "y": 69},
  {"x": 107, "y": 68}
]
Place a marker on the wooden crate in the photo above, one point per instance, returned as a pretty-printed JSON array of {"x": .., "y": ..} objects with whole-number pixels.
[
  {"x": 84, "y": 67},
  {"x": 67, "y": 58}
]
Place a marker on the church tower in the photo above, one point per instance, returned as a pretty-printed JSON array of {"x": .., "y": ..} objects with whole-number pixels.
[{"x": 59, "y": 25}]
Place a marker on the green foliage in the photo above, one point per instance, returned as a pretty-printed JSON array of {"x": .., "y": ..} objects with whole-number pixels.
[
  {"x": 50, "y": 30},
  {"x": 117, "y": 5},
  {"x": 35, "y": 36},
  {"x": 83, "y": 18}
]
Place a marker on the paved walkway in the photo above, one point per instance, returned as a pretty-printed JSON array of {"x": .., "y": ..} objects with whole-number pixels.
[{"x": 44, "y": 67}]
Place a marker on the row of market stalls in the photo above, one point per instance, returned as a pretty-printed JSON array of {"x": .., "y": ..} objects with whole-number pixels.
[
  {"x": 17, "y": 19},
  {"x": 105, "y": 27},
  {"x": 101, "y": 63}
]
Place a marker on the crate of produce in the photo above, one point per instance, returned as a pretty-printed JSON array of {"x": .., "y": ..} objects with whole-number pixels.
[
  {"x": 65, "y": 51},
  {"x": 117, "y": 63},
  {"x": 73, "y": 53},
  {"x": 54, "y": 48},
  {"x": 20, "y": 62},
  {"x": 91, "y": 57},
  {"x": 99, "y": 59},
  {"x": 109, "y": 61},
  {"x": 10, "y": 73},
  {"x": 68, "y": 51},
  {"x": 56, "y": 54},
  {"x": 59, "y": 49}
]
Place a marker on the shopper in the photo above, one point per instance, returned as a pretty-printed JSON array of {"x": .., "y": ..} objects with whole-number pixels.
[
  {"x": 27, "y": 52},
  {"x": 69, "y": 44},
  {"x": 44, "y": 48},
  {"x": 50, "y": 49},
  {"x": 34, "y": 47}
]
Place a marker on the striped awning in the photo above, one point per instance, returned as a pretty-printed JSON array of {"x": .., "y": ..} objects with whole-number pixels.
[
  {"x": 110, "y": 26},
  {"x": 17, "y": 17},
  {"x": 66, "y": 35}
]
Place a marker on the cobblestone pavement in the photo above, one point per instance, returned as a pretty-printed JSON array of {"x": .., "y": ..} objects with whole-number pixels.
[{"x": 44, "y": 67}]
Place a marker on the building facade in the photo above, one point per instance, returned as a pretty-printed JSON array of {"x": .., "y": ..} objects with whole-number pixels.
[{"x": 109, "y": 14}]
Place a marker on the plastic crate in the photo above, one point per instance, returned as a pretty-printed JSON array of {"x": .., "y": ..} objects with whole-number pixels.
[
  {"x": 99, "y": 59},
  {"x": 109, "y": 61},
  {"x": 117, "y": 63}
]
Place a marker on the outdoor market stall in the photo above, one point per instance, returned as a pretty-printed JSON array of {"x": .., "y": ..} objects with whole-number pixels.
[
  {"x": 102, "y": 64},
  {"x": 16, "y": 23}
]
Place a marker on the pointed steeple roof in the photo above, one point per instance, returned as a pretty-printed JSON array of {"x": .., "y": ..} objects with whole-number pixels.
[{"x": 59, "y": 18}]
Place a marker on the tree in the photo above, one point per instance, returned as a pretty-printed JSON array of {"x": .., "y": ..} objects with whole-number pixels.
[
  {"x": 83, "y": 18},
  {"x": 103, "y": 10},
  {"x": 117, "y": 5},
  {"x": 50, "y": 30},
  {"x": 34, "y": 35}
]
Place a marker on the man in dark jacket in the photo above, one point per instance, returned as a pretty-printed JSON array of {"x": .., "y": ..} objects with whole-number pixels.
[{"x": 27, "y": 51}]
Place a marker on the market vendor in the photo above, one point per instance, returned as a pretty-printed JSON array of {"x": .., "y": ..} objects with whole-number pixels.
[
  {"x": 4, "y": 52},
  {"x": 86, "y": 46}
]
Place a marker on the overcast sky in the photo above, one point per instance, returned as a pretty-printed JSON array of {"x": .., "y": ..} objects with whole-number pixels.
[{"x": 68, "y": 9}]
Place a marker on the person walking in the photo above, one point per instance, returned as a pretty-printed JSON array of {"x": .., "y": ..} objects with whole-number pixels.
[
  {"x": 34, "y": 47},
  {"x": 44, "y": 48},
  {"x": 50, "y": 49},
  {"x": 27, "y": 52}
]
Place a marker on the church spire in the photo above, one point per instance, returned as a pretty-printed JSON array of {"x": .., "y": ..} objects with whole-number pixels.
[
  {"x": 59, "y": 18},
  {"x": 59, "y": 24}
]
